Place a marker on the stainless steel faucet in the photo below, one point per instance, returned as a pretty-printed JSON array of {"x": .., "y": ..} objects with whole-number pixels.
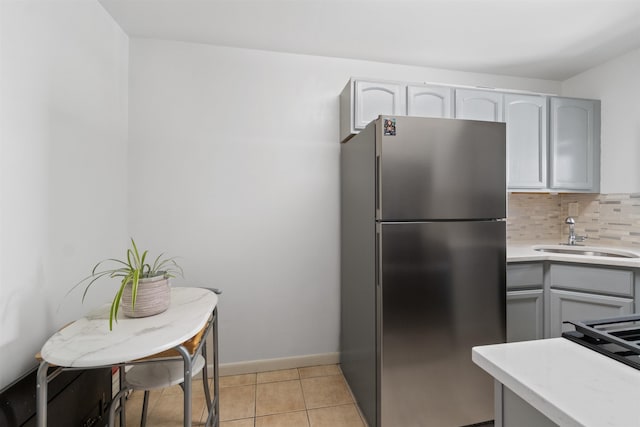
[{"x": 572, "y": 232}]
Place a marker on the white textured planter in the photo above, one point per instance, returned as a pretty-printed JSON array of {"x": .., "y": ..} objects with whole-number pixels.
[{"x": 154, "y": 296}]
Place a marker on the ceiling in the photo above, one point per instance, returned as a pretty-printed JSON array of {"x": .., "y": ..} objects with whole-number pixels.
[{"x": 547, "y": 39}]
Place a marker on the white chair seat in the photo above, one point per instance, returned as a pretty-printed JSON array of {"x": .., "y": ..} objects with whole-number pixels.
[{"x": 160, "y": 374}]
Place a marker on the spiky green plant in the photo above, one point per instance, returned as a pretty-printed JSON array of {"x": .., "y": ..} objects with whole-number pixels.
[{"x": 130, "y": 271}]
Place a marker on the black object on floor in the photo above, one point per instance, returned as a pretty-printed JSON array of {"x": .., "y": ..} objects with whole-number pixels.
[{"x": 76, "y": 398}]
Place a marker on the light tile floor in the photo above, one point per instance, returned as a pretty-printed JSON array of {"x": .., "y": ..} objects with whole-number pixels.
[{"x": 305, "y": 397}]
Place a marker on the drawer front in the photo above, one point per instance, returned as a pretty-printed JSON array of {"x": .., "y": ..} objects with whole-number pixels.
[
  {"x": 592, "y": 279},
  {"x": 524, "y": 275}
]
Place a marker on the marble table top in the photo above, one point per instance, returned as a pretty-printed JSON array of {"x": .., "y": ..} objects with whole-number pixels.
[{"x": 88, "y": 342}]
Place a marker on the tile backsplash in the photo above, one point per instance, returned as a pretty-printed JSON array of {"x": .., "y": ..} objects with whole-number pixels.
[
  {"x": 532, "y": 216},
  {"x": 607, "y": 219}
]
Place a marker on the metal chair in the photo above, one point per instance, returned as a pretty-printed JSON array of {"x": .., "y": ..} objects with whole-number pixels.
[
  {"x": 158, "y": 372},
  {"x": 158, "y": 375}
]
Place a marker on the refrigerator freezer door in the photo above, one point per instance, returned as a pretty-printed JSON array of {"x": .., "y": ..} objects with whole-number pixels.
[
  {"x": 441, "y": 169},
  {"x": 443, "y": 291}
]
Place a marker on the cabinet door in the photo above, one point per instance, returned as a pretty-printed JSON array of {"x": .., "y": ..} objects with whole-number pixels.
[
  {"x": 575, "y": 144},
  {"x": 525, "y": 315},
  {"x": 516, "y": 412},
  {"x": 373, "y": 99},
  {"x": 430, "y": 101},
  {"x": 567, "y": 305},
  {"x": 479, "y": 105},
  {"x": 526, "y": 117}
]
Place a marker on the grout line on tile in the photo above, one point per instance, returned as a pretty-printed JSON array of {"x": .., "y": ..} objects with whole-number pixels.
[
  {"x": 304, "y": 398},
  {"x": 255, "y": 402}
]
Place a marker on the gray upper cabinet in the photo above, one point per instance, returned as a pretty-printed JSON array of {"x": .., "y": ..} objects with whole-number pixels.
[
  {"x": 553, "y": 143},
  {"x": 373, "y": 99},
  {"x": 429, "y": 101},
  {"x": 575, "y": 144},
  {"x": 481, "y": 105},
  {"x": 526, "y": 118},
  {"x": 362, "y": 101}
]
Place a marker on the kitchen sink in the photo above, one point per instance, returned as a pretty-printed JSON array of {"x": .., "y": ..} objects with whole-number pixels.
[{"x": 586, "y": 251}]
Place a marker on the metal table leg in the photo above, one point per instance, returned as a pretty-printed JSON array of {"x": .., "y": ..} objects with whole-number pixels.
[
  {"x": 205, "y": 378},
  {"x": 216, "y": 389},
  {"x": 186, "y": 357},
  {"x": 41, "y": 396},
  {"x": 213, "y": 405},
  {"x": 123, "y": 396},
  {"x": 112, "y": 407}
]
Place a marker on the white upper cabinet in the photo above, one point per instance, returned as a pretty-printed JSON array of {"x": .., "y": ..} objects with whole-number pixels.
[
  {"x": 429, "y": 101},
  {"x": 481, "y": 105},
  {"x": 362, "y": 101},
  {"x": 526, "y": 118},
  {"x": 575, "y": 144}
]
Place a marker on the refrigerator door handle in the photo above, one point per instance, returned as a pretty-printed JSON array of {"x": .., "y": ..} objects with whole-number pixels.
[
  {"x": 378, "y": 271},
  {"x": 378, "y": 188}
]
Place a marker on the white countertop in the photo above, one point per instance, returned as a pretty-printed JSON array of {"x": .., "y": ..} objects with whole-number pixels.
[
  {"x": 524, "y": 251},
  {"x": 568, "y": 383},
  {"x": 88, "y": 342}
]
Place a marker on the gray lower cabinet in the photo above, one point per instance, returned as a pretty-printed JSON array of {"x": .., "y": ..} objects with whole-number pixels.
[
  {"x": 587, "y": 292},
  {"x": 525, "y": 275},
  {"x": 543, "y": 295},
  {"x": 525, "y": 301},
  {"x": 518, "y": 413},
  {"x": 592, "y": 279},
  {"x": 569, "y": 305},
  {"x": 525, "y": 315}
]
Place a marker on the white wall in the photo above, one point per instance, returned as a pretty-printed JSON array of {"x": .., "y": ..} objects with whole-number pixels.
[
  {"x": 63, "y": 124},
  {"x": 235, "y": 166},
  {"x": 617, "y": 84}
]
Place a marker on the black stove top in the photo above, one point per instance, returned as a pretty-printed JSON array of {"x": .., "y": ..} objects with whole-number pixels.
[{"x": 618, "y": 337}]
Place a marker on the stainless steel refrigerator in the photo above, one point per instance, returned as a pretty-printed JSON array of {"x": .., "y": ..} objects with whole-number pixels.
[{"x": 422, "y": 268}]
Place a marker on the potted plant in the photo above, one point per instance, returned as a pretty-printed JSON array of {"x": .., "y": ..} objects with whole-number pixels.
[{"x": 140, "y": 282}]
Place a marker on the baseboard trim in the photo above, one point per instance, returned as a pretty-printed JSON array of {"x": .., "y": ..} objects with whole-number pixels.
[{"x": 265, "y": 365}]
